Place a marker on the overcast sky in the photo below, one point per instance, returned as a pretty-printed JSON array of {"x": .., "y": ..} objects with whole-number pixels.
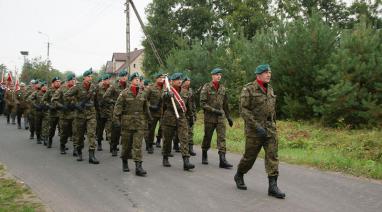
[{"x": 83, "y": 33}]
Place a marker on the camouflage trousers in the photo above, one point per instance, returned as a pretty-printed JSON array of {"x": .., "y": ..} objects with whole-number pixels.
[
  {"x": 181, "y": 129},
  {"x": 67, "y": 128},
  {"x": 37, "y": 119},
  {"x": 149, "y": 138},
  {"x": 11, "y": 113},
  {"x": 80, "y": 125},
  {"x": 190, "y": 136},
  {"x": 53, "y": 124},
  {"x": 115, "y": 135},
  {"x": 253, "y": 146},
  {"x": 132, "y": 143},
  {"x": 45, "y": 126},
  {"x": 20, "y": 112},
  {"x": 209, "y": 129},
  {"x": 104, "y": 124}
]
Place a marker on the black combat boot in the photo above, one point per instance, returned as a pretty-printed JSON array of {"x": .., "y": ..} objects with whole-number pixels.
[
  {"x": 223, "y": 162},
  {"x": 239, "y": 179},
  {"x": 62, "y": 149},
  {"x": 31, "y": 136},
  {"x": 157, "y": 143},
  {"x": 79, "y": 152},
  {"x": 273, "y": 190},
  {"x": 139, "y": 171},
  {"x": 114, "y": 151},
  {"x": 150, "y": 148},
  {"x": 166, "y": 163},
  {"x": 39, "y": 139},
  {"x": 186, "y": 164},
  {"x": 191, "y": 150},
  {"x": 204, "y": 157},
  {"x": 99, "y": 145},
  {"x": 125, "y": 165},
  {"x": 92, "y": 158},
  {"x": 49, "y": 143},
  {"x": 176, "y": 147}
]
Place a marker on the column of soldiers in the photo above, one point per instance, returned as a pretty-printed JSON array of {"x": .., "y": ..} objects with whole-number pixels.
[{"x": 130, "y": 110}]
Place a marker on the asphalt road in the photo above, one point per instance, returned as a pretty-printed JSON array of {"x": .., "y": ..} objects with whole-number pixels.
[{"x": 67, "y": 185}]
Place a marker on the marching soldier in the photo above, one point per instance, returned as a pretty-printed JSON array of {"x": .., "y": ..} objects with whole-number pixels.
[
  {"x": 31, "y": 108},
  {"x": 36, "y": 100},
  {"x": 105, "y": 112},
  {"x": 83, "y": 94},
  {"x": 191, "y": 114},
  {"x": 214, "y": 100},
  {"x": 154, "y": 97},
  {"x": 53, "y": 119},
  {"x": 110, "y": 97},
  {"x": 45, "y": 116},
  {"x": 257, "y": 107},
  {"x": 171, "y": 124},
  {"x": 22, "y": 105},
  {"x": 66, "y": 112},
  {"x": 10, "y": 103},
  {"x": 132, "y": 112}
]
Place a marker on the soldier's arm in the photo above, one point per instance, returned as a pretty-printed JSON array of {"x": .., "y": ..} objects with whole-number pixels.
[
  {"x": 245, "y": 106},
  {"x": 204, "y": 99},
  {"x": 147, "y": 110},
  {"x": 109, "y": 94},
  {"x": 117, "y": 113},
  {"x": 56, "y": 97},
  {"x": 226, "y": 106}
]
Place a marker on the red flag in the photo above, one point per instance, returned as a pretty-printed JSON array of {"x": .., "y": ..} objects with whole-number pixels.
[
  {"x": 17, "y": 84},
  {"x": 179, "y": 99},
  {"x": 9, "y": 78}
]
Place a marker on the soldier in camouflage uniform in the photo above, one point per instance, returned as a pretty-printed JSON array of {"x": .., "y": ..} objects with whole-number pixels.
[
  {"x": 84, "y": 95},
  {"x": 98, "y": 114},
  {"x": 191, "y": 114},
  {"x": 257, "y": 107},
  {"x": 214, "y": 101},
  {"x": 105, "y": 112},
  {"x": 66, "y": 112},
  {"x": 36, "y": 100},
  {"x": 53, "y": 119},
  {"x": 131, "y": 112},
  {"x": 110, "y": 97},
  {"x": 172, "y": 124},
  {"x": 154, "y": 97},
  {"x": 45, "y": 118},
  {"x": 10, "y": 103},
  {"x": 22, "y": 105},
  {"x": 31, "y": 109}
]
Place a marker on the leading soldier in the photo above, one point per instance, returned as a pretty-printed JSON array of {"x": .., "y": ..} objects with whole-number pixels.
[
  {"x": 131, "y": 112},
  {"x": 214, "y": 101},
  {"x": 257, "y": 107}
]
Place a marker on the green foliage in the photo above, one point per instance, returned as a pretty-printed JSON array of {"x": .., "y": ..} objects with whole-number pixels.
[{"x": 38, "y": 69}]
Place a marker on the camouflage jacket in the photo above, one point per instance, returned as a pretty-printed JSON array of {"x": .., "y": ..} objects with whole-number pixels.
[
  {"x": 211, "y": 100},
  {"x": 154, "y": 96},
  {"x": 84, "y": 100},
  {"x": 36, "y": 100},
  {"x": 104, "y": 108},
  {"x": 132, "y": 111},
  {"x": 190, "y": 103},
  {"x": 47, "y": 99},
  {"x": 21, "y": 98},
  {"x": 59, "y": 101},
  {"x": 258, "y": 109}
]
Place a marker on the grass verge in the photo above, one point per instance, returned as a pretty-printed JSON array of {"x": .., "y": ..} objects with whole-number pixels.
[
  {"x": 15, "y": 196},
  {"x": 355, "y": 152}
]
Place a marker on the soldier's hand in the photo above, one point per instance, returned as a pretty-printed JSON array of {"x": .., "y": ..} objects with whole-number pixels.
[
  {"x": 230, "y": 121},
  {"x": 154, "y": 107},
  {"x": 169, "y": 94},
  {"x": 261, "y": 132},
  {"x": 218, "y": 112}
]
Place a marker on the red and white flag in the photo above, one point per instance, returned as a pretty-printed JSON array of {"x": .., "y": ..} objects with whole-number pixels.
[
  {"x": 17, "y": 86},
  {"x": 9, "y": 79},
  {"x": 179, "y": 99}
]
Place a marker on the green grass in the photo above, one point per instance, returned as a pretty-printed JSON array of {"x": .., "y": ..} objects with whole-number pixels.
[
  {"x": 16, "y": 197},
  {"x": 355, "y": 152}
]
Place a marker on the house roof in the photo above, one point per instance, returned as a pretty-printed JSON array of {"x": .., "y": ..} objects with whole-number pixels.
[{"x": 117, "y": 56}]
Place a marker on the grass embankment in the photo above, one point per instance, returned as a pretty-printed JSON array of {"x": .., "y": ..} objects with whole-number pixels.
[
  {"x": 355, "y": 152},
  {"x": 15, "y": 196}
]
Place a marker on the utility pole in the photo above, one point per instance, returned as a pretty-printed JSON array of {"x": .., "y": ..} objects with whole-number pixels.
[
  {"x": 47, "y": 36},
  {"x": 127, "y": 36}
]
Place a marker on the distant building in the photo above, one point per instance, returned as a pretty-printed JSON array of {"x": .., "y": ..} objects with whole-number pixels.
[{"x": 118, "y": 62}]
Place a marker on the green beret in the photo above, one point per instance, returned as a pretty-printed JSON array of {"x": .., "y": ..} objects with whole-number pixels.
[
  {"x": 177, "y": 76},
  {"x": 55, "y": 79},
  {"x": 134, "y": 75},
  {"x": 70, "y": 76},
  {"x": 88, "y": 72},
  {"x": 146, "y": 82},
  {"x": 106, "y": 76},
  {"x": 185, "y": 78},
  {"x": 43, "y": 82},
  {"x": 216, "y": 71},
  {"x": 34, "y": 82},
  {"x": 99, "y": 79},
  {"x": 262, "y": 68},
  {"x": 141, "y": 77},
  {"x": 158, "y": 74},
  {"x": 122, "y": 73}
]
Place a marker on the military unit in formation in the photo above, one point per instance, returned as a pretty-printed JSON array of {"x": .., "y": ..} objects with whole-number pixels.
[{"x": 129, "y": 111}]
